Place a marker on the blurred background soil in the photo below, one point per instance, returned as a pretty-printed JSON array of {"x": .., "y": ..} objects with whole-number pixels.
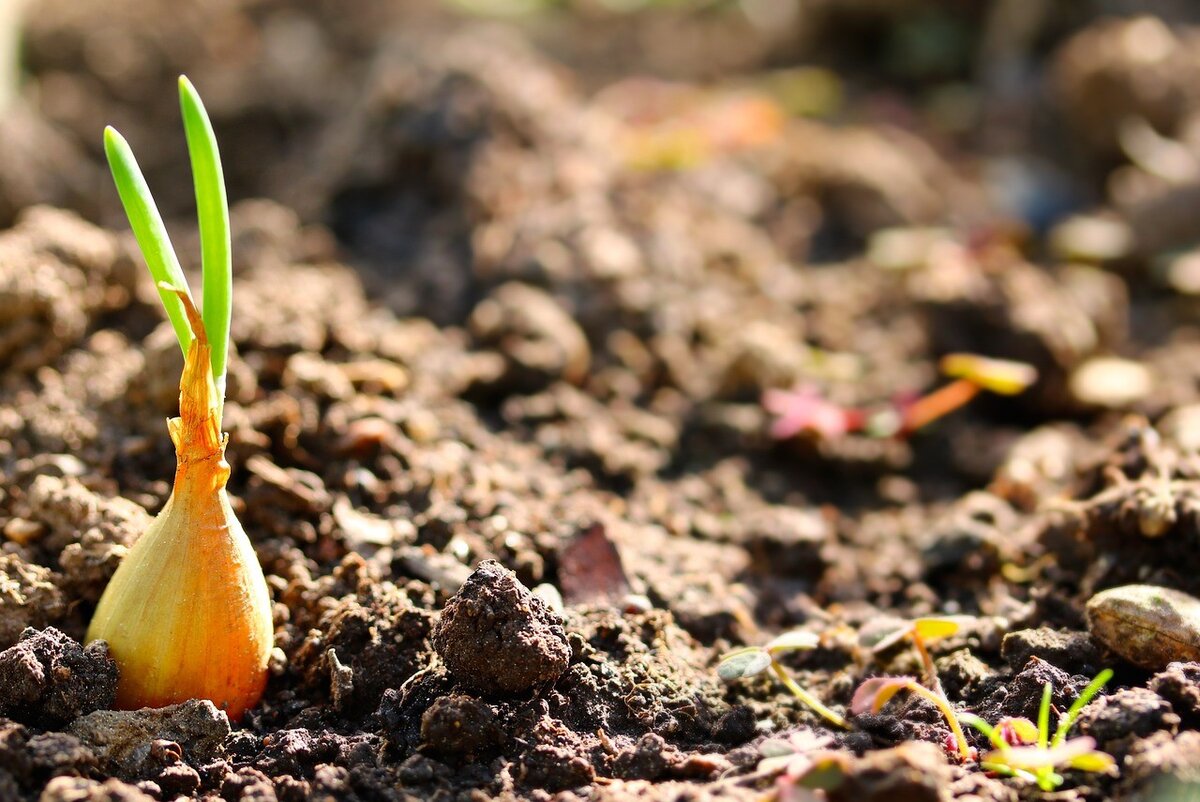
[{"x": 511, "y": 279}]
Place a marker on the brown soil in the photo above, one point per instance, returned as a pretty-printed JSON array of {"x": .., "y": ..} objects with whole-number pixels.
[{"x": 501, "y": 335}]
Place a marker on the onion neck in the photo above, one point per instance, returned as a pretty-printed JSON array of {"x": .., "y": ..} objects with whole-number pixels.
[{"x": 199, "y": 442}]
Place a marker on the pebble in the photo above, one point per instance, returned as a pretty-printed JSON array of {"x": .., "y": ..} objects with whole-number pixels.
[
  {"x": 1111, "y": 382},
  {"x": 1148, "y": 625},
  {"x": 123, "y": 739}
]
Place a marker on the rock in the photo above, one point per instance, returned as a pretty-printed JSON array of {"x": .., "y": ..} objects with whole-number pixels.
[
  {"x": 48, "y": 679},
  {"x": 1111, "y": 382},
  {"x": 1092, "y": 238},
  {"x": 497, "y": 637},
  {"x": 125, "y": 740},
  {"x": 914, "y": 771},
  {"x": 1149, "y": 626}
]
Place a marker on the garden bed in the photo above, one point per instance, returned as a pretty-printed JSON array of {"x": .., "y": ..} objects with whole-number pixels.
[{"x": 494, "y": 308}]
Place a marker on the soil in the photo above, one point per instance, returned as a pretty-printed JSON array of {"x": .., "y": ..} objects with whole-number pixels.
[{"x": 507, "y": 297}]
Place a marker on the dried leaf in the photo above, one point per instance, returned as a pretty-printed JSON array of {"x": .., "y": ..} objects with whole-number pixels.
[{"x": 590, "y": 569}]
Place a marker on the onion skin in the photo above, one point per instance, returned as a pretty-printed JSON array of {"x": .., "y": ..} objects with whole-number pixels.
[{"x": 187, "y": 615}]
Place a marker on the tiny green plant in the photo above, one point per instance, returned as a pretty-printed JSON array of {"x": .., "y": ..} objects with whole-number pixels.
[
  {"x": 1029, "y": 751},
  {"x": 876, "y": 692},
  {"x": 920, "y": 632},
  {"x": 187, "y": 613},
  {"x": 753, "y": 660}
]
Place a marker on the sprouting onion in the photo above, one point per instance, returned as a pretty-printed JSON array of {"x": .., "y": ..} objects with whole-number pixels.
[{"x": 187, "y": 614}]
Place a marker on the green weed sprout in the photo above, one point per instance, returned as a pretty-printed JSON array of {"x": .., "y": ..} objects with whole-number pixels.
[
  {"x": 187, "y": 613},
  {"x": 874, "y": 693},
  {"x": 1037, "y": 754},
  {"x": 753, "y": 660}
]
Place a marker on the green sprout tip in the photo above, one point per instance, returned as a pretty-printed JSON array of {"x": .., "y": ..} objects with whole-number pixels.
[{"x": 212, "y": 209}]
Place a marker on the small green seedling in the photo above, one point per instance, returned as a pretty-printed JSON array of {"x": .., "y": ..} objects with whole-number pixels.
[
  {"x": 1025, "y": 750},
  {"x": 921, "y": 632},
  {"x": 876, "y": 692},
  {"x": 753, "y": 660},
  {"x": 873, "y": 694}
]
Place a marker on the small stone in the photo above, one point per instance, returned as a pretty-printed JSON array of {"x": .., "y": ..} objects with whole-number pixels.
[
  {"x": 123, "y": 740},
  {"x": 1111, "y": 382},
  {"x": 22, "y": 531},
  {"x": 1181, "y": 426},
  {"x": 898, "y": 249},
  {"x": 496, "y": 637},
  {"x": 1092, "y": 238},
  {"x": 1183, "y": 273},
  {"x": 1148, "y": 625},
  {"x": 81, "y": 789}
]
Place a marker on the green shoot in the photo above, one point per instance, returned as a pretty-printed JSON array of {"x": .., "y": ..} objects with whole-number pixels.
[
  {"x": 1067, "y": 721},
  {"x": 148, "y": 228},
  {"x": 1036, "y": 755},
  {"x": 753, "y": 660},
  {"x": 212, "y": 209},
  {"x": 1043, "y": 723},
  {"x": 874, "y": 693}
]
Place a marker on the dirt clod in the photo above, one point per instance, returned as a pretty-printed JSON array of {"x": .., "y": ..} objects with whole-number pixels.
[
  {"x": 460, "y": 727},
  {"x": 28, "y": 598},
  {"x": 497, "y": 637},
  {"x": 914, "y": 771},
  {"x": 1069, "y": 650},
  {"x": 1133, "y": 711},
  {"x": 1179, "y": 684},
  {"x": 48, "y": 679}
]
